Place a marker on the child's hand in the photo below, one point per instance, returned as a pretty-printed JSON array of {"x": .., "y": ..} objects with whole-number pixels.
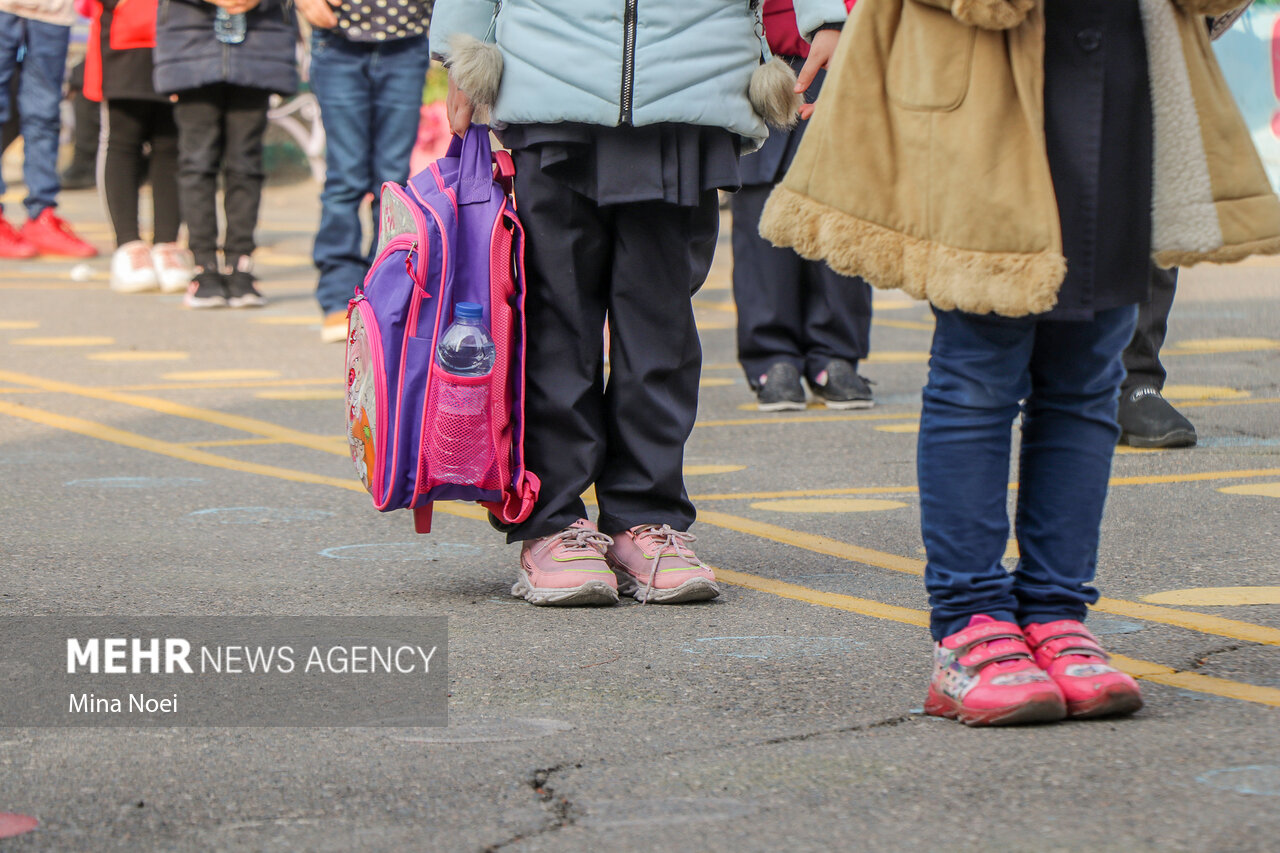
[
  {"x": 459, "y": 108},
  {"x": 821, "y": 50},
  {"x": 319, "y": 13}
]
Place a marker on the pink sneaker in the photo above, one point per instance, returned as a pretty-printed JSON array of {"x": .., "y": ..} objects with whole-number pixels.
[
  {"x": 985, "y": 675},
  {"x": 567, "y": 568},
  {"x": 1078, "y": 665},
  {"x": 654, "y": 563}
]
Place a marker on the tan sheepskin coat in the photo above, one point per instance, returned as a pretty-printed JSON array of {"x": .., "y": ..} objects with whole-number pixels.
[{"x": 924, "y": 166}]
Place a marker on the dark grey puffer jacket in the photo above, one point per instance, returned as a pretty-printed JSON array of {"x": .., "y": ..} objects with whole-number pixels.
[{"x": 188, "y": 56}]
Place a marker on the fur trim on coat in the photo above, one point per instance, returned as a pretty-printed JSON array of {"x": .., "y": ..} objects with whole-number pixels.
[
  {"x": 947, "y": 193},
  {"x": 773, "y": 94}
]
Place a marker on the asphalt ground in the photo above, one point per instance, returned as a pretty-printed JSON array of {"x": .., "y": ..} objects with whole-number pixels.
[{"x": 157, "y": 460}]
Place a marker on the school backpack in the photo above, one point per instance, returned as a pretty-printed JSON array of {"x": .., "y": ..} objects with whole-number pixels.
[{"x": 418, "y": 433}]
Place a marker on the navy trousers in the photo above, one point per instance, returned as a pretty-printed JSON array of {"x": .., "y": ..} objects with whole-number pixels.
[{"x": 638, "y": 265}]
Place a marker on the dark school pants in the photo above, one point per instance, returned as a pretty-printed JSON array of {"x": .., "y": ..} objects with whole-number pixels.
[
  {"x": 130, "y": 124},
  {"x": 791, "y": 309},
  {"x": 220, "y": 129},
  {"x": 1142, "y": 356},
  {"x": 638, "y": 264}
]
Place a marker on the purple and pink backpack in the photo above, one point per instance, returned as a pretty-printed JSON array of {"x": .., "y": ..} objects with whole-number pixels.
[{"x": 419, "y": 434}]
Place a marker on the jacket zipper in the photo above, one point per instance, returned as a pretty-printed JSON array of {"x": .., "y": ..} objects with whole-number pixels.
[{"x": 628, "y": 61}]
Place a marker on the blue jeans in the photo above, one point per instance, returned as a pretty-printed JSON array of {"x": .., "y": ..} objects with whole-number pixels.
[
  {"x": 44, "y": 50},
  {"x": 370, "y": 98},
  {"x": 1067, "y": 375}
]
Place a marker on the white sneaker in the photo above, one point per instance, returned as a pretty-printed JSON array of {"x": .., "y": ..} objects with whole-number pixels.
[
  {"x": 174, "y": 265},
  {"x": 132, "y": 270}
]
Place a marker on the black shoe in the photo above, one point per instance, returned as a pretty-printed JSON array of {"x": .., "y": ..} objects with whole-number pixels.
[
  {"x": 841, "y": 387},
  {"x": 78, "y": 177},
  {"x": 1147, "y": 420},
  {"x": 780, "y": 390},
  {"x": 241, "y": 292},
  {"x": 208, "y": 290}
]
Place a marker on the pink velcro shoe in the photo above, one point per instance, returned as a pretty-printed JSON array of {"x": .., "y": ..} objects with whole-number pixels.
[
  {"x": 567, "y": 568},
  {"x": 1079, "y": 666},
  {"x": 985, "y": 675},
  {"x": 654, "y": 563}
]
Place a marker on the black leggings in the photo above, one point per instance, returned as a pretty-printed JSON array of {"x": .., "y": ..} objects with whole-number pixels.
[{"x": 127, "y": 125}]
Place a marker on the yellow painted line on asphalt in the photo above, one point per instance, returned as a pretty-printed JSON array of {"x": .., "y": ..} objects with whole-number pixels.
[
  {"x": 44, "y": 286},
  {"x": 66, "y": 341},
  {"x": 227, "y": 374},
  {"x": 1217, "y": 596},
  {"x": 139, "y": 355},
  {"x": 1218, "y": 346},
  {"x": 806, "y": 493},
  {"x": 853, "y": 604},
  {"x": 911, "y": 428},
  {"x": 304, "y": 394},
  {"x": 715, "y": 382},
  {"x": 715, "y": 325},
  {"x": 204, "y": 386},
  {"x": 1187, "y": 393},
  {"x": 1194, "y": 681},
  {"x": 1141, "y": 669},
  {"x": 1201, "y": 622},
  {"x": 289, "y": 320},
  {"x": 904, "y": 324},
  {"x": 231, "y": 442},
  {"x": 167, "y": 407},
  {"x": 1264, "y": 490},
  {"x": 828, "y": 505},
  {"x": 186, "y": 453},
  {"x": 798, "y": 419},
  {"x": 1155, "y": 479},
  {"x": 891, "y": 357},
  {"x": 894, "y": 305},
  {"x": 1253, "y": 401},
  {"x": 18, "y": 325},
  {"x": 702, "y": 470}
]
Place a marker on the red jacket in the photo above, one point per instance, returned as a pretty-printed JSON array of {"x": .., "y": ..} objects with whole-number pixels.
[
  {"x": 780, "y": 28},
  {"x": 133, "y": 25}
]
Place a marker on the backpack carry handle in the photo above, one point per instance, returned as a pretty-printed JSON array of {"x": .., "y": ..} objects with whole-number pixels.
[{"x": 475, "y": 164}]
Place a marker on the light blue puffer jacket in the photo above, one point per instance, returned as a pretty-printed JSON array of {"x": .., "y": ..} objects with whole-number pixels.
[{"x": 612, "y": 62}]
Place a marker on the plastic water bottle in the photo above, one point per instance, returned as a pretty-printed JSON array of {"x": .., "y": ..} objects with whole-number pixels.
[
  {"x": 229, "y": 29},
  {"x": 462, "y": 445},
  {"x": 465, "y": 348}
]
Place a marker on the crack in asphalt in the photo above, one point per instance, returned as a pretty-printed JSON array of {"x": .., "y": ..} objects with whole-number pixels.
[
  {"x": 560, "y": 808},
  {"x": 1203, "y": 658}
]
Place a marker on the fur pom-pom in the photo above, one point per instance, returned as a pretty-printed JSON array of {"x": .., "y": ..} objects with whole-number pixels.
[
  {"x": 1211, "y": 8},
  {"x": 991, "y": 14},
  {"x": 773, "y": 94},
  {"x": 477, "y": 69}
]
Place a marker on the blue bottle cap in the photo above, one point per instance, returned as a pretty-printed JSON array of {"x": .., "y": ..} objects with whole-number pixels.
[{"x": 468, "y": 311}]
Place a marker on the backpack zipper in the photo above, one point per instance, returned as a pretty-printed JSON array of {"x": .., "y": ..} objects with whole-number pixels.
[{"x": 628, "y": 61}]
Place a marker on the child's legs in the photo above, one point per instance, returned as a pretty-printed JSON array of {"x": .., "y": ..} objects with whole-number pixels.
[
  {"x": 1068, "y": 438},
  {"x": 125, "y": 130},
  {"x": 245, "y": 120},
  {"x": 837, "y": 317},
  {"x": 163, "y": 132},
  {"x": 568, "y": 251},
  {"x": 44, "y": 67},
  {"x": 767, "y": 290},
  {"x": 662, "y": 253},
  {"x": 199, "y": 116},
  {"x": 340, "y": 81},
  {"x": 978, "y": 372}
]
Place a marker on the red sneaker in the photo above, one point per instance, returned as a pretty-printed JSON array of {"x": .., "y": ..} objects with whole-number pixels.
[
  {"x": 51, "y": 235},
  {"x": 12, "y": 245},
  {"x": 1078, "y": 665},
  {"x": 985, "y": 675}
]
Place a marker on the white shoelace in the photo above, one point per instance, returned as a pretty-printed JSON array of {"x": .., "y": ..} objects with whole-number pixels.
[
  {"x": 576, "y": 538},
  {"x": 669, "y": 538}
]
